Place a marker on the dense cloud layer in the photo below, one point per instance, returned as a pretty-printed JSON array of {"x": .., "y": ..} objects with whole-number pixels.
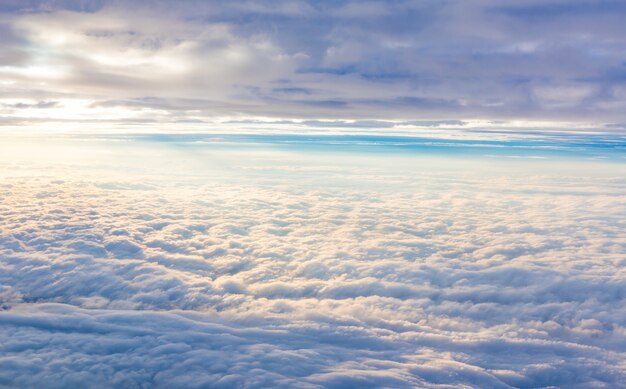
[
  {"x": 264, "y": 270},
  {"x": 170, "y": 61}
]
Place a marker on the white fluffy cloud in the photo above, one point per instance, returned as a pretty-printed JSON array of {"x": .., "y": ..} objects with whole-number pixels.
[{"x": 202, "y": 265}]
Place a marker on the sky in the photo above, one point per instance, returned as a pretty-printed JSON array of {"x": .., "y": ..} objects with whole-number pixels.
[
  {"x": 312, "y": 194},
  {"x": 184, "y": 66}
]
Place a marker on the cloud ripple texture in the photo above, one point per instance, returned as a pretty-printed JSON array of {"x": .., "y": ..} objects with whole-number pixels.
[{"x": 270, "y": 272}]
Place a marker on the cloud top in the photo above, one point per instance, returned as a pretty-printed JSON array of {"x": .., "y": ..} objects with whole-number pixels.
[{"x": 167, "y": 265}]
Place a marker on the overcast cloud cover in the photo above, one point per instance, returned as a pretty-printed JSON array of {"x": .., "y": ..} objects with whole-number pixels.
[{"x": 160, "y": 61}]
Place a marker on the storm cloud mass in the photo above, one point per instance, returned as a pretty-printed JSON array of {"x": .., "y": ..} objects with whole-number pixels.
[{"x": 145, "y": 62}]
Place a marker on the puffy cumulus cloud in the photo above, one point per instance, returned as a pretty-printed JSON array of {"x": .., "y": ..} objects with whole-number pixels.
[
  {"x": 270, "y": 271},
  {"x": 169, "y": 61}
]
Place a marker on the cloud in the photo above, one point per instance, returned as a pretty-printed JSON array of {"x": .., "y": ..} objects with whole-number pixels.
[
  {"x": 176, "y": 263},
  {"x": 394, "y": 60}
]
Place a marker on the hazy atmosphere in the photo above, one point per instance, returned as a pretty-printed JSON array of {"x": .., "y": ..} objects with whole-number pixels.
[{"x": 312, "y": 194}]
